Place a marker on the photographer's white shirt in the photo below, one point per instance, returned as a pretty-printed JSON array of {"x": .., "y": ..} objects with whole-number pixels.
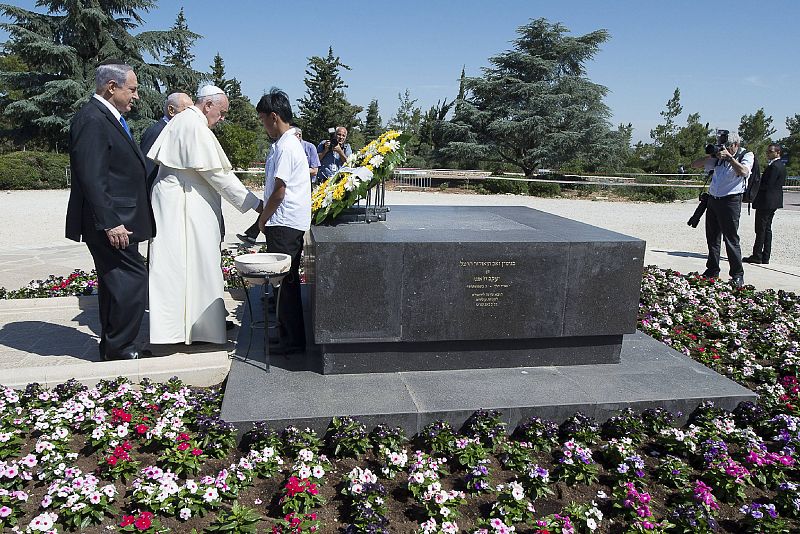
[{"x": 725, "y": 181}]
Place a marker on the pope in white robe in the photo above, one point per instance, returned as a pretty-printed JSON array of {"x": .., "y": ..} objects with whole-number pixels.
[{"x": 186, "y": 283}]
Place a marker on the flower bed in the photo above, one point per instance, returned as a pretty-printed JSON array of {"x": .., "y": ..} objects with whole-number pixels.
[{"x": 153, "y": 457}]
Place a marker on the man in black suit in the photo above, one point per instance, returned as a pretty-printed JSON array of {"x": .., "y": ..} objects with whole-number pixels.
[
  {"x": 768, "y": 199},
  {"x": 109, "y": 208},
  {"x": 175, "y": 103}
]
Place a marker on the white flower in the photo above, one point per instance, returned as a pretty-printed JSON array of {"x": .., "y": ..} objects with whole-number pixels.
[
  {"x": 94, "y": 498},
  {"x": 591, "y": 524},
  {"x": 305, "y": 455},
  {"x": 516, "y": 491},
  {"x": 210, "y": 495},
  {"x": 376, "y": 161},
  {"x": 394, "y": 144},
  {"x": 304, "y": 472},
  {"x": 185, "y": 514},
  {"x": 318, "y": 471}
]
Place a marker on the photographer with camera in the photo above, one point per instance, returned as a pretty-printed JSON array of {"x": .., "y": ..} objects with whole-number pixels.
[
  {"x": 333, "y": 153},
  {"x": 731, "y": 165}
]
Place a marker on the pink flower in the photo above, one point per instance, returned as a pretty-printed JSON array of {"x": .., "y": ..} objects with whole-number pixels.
[{"x": 5, "y": 511}]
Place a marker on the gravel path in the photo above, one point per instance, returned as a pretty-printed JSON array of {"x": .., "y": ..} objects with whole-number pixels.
[{"x": 32, "y": 243}]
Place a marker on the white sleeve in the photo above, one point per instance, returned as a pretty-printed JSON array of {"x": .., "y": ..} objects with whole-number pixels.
[{"x": 231, "y": 189}]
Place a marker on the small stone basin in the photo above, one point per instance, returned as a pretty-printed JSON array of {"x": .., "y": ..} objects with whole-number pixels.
[{"x": 257, "y": 267}]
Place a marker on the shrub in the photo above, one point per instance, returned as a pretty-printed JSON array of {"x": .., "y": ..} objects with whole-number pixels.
[
  {"x": 33, "y": 170},
  {"x": 541, "y": 189},
  {"x": 657, "y": 194},
  {"x": 515, "y": 187}
]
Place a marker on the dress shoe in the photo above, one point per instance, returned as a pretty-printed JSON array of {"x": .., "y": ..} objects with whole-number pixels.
[
  {"x": 737, "y": 281},
  {"x": 130, "y": 353},
  {"x": 752, "y": 259},
  {"x": 246, "y": 239},
  {"x": 710, "y": 274},
  {"x": 230, "y": 325}
]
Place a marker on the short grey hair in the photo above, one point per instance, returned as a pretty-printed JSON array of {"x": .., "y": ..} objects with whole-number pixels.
[
  {"x": 116, "y": 72},
  {"x": 734, "y": 139},
  {"x": 172, "y": 100}
]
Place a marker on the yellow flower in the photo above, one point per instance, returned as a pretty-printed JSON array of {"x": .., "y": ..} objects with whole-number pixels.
[
  {"x": 366, "y": 159},
  {"x": 384, "y": 149},
  {"x": 338, "y": 192}
]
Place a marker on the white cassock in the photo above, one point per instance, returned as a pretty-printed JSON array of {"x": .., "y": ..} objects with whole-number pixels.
[{"x": 186, "y": 284}]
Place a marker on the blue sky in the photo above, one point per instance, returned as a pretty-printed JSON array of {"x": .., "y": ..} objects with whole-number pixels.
[{"x": 728, "y": 59}]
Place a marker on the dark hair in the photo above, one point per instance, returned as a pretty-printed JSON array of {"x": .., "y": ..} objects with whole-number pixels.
[
  {"x": 777, "y": 147},
  {"x": 276, "y": 101}
]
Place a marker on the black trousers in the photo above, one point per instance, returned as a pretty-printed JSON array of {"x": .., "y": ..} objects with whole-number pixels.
[
  {"x": 122, "y": 295},
  {"x": 763, "y": 244},
  {"x": 722, "y": 220},
  {"x": 291, "y": 325}
]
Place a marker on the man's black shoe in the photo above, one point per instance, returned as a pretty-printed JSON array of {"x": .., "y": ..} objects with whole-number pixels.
[
  {"x": 246, "y": 239},
  {"x": 131, "y": 353},
  {"x": 737, "y": 281},
  {"x": 230, "y": 325},
  {"x": 752, "y": 259},
  {"x": 710, "y": 274}
]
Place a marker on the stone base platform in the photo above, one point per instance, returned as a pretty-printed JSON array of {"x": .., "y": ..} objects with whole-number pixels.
[
  {"x": 294, "y": 391},
  {"x": 51, "y": 340}
]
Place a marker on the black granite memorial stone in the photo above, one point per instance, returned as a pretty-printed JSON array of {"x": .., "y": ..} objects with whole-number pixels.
[{"x": 435, "y": 288}]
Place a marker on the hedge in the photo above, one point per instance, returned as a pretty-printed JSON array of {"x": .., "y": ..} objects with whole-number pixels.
[{"x": 33, "y": 170}]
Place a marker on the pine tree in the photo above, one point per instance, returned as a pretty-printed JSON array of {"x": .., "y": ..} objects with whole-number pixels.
[
  {"x": 791, "y": 145},
  {"x": 218, "y": 73},
  {"x": 373, "y": 127},
  {"x": 756, "y": 131},
  {"x": 182, "y": 77},
  {"x": 241, "y": 132},
  {"x": 62, "y": 48},
  {"x": 534, "y": 107},
  {"x": 404, "y": 118},
  {"x": 666, "y": 157},
  {"x": 324, "y": 104}
]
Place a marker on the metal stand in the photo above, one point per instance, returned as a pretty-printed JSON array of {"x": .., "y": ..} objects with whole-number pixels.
[{"x": 269, "y": 280}]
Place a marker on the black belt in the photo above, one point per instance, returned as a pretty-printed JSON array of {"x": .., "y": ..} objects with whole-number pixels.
[{"x": 727, "y": 196}]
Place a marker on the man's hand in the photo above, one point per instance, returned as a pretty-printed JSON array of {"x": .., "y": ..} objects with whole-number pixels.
[
  {"x": 262, "y": 222},
  {"x": 724, "y": 154},
  {"x": 338, "y": 149},
  {"x": 326, "y": 147},
  {"x": 118, "y": 236}
]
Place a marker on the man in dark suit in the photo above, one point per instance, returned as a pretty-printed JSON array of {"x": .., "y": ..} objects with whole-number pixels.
[
  {"x": 768, "y": 199},
  {"x": 175, "y": 103},
  {"x": 109, "y": 208}
]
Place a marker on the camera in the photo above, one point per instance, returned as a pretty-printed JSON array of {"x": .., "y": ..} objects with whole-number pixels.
[
  {"x": 722, "y": 140},
  {"x": 694, "y": 220},
  {"x": 334, "y": 141}
]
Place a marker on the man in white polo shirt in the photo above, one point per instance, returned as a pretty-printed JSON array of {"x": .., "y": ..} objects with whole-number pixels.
[
  {"x": 731, "y": 165},
  {"x": 287, "y": 212}
]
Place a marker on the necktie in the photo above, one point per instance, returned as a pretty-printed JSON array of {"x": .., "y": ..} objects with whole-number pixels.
[{"x": 125, "y": 126}]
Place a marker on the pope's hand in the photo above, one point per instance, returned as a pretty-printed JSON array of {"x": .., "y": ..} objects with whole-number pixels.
[{"x": 118, "y": 236}]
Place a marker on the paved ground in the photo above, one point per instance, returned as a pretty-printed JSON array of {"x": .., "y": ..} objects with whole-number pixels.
[
  {"x": 50, "y": 340},
  {"x": 32, "y": 245}
]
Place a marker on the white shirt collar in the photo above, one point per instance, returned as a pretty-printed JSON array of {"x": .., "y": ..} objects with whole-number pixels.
[
  {"x": 772, "y": 160},
  {"x": 107, "y": 104}
]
